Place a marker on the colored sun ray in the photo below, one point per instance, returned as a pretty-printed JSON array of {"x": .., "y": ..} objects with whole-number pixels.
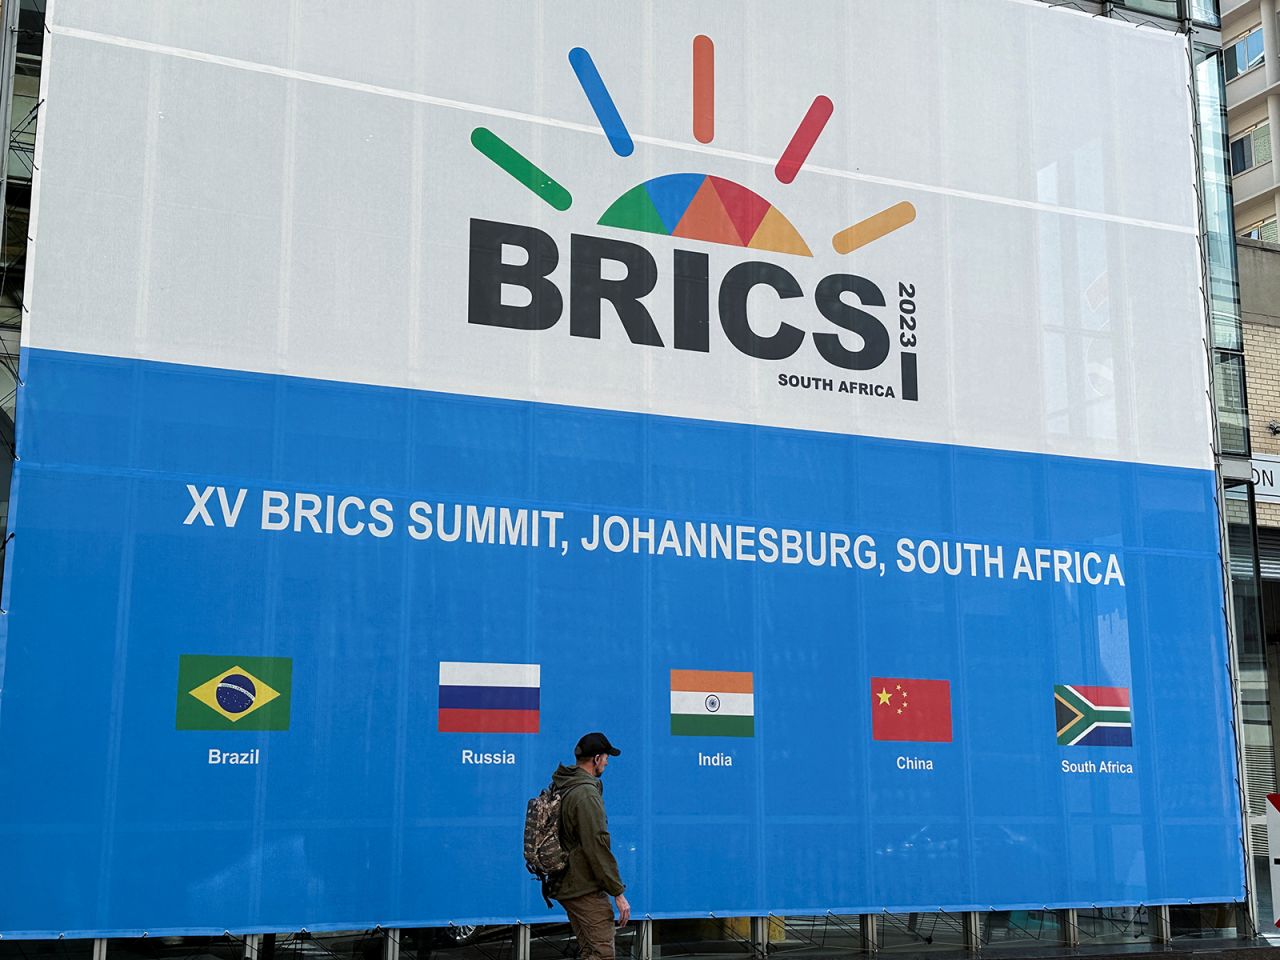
[
  {"x": 803, "y": 139},
  {"x": 874, "y": 227},
  {"x": 706, "y": 219},
  {"x": 672, "y": 193},
  {"x": 777, "y": 234},
  {"x": 598, "y": 96},
  {"x": 745, "y": 208},
  {"x": 634, "y": 210},
  {"x": 520, "y": 167},
  {"x": 704, "y": 89}
]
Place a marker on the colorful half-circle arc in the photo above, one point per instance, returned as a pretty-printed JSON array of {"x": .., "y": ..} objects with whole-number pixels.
[{"x": 697, "y": 206}]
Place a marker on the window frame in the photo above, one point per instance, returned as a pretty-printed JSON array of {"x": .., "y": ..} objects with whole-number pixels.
[
  {"x": 1230, "y": 58},
  {"x": 1254, "y": 230},
  {"x": 1246, "y": 138}
]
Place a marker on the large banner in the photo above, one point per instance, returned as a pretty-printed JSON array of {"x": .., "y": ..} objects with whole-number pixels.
[{"x": 813, "y": 402}]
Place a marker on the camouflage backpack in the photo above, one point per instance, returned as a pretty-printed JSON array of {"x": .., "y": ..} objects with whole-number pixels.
[{"x": 544, "y": 853}]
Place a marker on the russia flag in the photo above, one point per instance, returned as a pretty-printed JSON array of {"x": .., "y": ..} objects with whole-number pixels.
[{"x": 489, "y": 697}]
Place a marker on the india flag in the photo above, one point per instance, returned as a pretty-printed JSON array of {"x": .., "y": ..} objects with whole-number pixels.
[{"x": 712, "y": 703}]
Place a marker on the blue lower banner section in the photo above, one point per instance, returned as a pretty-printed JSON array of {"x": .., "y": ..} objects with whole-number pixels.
[{"x": 283, "y": 653}]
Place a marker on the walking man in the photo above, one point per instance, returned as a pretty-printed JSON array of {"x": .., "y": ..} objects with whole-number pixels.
[{"x": 592, "y": 875}]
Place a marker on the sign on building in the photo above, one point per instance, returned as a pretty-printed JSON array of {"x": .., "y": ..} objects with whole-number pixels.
[
  {"x": 1266, "y": 477},
  {"x": 813, "y": 403}
]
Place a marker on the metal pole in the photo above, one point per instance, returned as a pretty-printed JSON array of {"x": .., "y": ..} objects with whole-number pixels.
[
  {"x": 1070, "y": 921},
  {"x": 645, "y": 937},
  {"x": 760, "y": 937},
  {"x": 870, "y": 930},
  {"x": 523, "y": 944},
  {"x": 971, "y": 922},
  {"x": 100, "y": 949},
  {"x": 1161, "y": 930},
  {"x": 391, "y": 946},
  {"x": 8, "y": 63},
  {"x": 252, "y": 947}
]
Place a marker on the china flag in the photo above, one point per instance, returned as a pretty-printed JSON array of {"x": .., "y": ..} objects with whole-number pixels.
[{"x": 906, "y": 709}]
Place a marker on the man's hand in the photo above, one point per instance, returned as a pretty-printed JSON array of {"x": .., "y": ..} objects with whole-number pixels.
[{"x": 624, "y": 910}]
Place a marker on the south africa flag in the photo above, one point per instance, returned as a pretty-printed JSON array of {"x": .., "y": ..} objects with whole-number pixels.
[{"x": 1093, "y": 716}]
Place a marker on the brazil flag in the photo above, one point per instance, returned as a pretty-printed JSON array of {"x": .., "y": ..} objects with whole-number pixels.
[{"x": 233, "y": 693}]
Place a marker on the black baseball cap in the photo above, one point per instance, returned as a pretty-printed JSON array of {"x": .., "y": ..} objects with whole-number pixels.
[{"x": 593, "y": 744}]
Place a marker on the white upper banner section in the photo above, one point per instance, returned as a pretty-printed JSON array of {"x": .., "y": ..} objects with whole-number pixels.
[{"x": 295, "y": 189}]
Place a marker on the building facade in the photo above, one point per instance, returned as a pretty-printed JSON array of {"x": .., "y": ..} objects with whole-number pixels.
[{"x": 1252, "y": 73}]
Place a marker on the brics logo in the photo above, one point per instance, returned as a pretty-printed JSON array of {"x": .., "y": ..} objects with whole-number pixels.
[
  {"x": 240, "y": 693},
  {"x": 686, "y": 206}
]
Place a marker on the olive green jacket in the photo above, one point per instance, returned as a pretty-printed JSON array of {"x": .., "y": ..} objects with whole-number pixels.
[{"x": 584, "y": 832}]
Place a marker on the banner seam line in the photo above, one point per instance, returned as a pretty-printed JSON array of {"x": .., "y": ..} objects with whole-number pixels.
[{"x": 391, "y": 92}]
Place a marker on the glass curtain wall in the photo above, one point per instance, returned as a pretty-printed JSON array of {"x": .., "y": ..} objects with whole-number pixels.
[
  {"x": 1161, "y": 8},
  {"x": 1224, "y": 290},
  {"x": 1226, "y": 346},
  {"x": 1201, "y": 11}
]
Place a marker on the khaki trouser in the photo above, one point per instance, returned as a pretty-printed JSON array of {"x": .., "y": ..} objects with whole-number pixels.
[{"x": 591, "y": 917}]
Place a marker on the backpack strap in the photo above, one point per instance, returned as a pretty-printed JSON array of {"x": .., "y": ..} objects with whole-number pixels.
[{"x": 562, "y": 793}]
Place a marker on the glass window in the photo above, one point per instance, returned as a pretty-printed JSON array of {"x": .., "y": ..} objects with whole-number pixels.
[
  {"x": 1205, "y": 11},
  {"x": 1233, "y": 412},
  {"x": 727, "y": 938},
  {"x": 1265, "y": 230},
  {"x": 1215, "y": 184},
  {"x": 1251, "y": 149},
  {"x": 225, "y": 947},
  {"x": 1244, "y": 54},
  {"x": 1241, "y": 155},
  {"x": 1019, "y": 930},
  {"x": 22, "y": 119},
  {"x": 1206, "y": 921},
  {"x": 915, "y": 933},
  {"x": 1162, "y": 8},
  {"x": 1102, "y": 925}
]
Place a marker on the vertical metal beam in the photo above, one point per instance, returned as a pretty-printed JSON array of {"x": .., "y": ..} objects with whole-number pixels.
[
  {"x": 1070, "y": 921},
  {"x": 9, "y": 25},
  {"x": 1251, "y": 907},
  {"x": 760, "y": 937},
  {"x": 971, "y": 924},
  {"x": 8, "y": 64},
  {"x": 523, "y": 942},
  {"x": 1161, "y": 929},
  {"x": 99, "y": 946},
  {"x": 869, "y": 927},
  {"x": 645, "y": 936},
  {"x": 391, "y": 944},
  {"x": 252, "y": 947}
]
